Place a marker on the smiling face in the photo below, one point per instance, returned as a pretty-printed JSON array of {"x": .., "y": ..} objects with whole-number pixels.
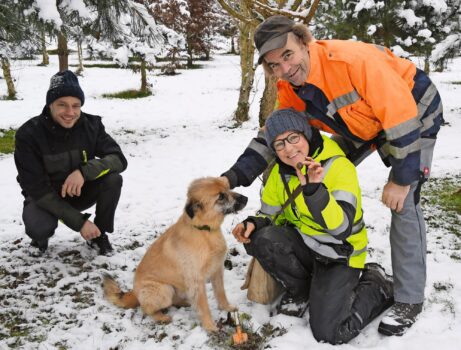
[
  {"x": 292, "y": 154},
  {"x": 65, "y": 111},
  {"x": 291, "y": 63}
]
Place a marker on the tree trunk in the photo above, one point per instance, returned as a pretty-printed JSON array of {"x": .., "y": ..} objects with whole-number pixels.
[
  {"x": 45, "y": 57},
  {"x": 144, "y": 88},
  {"x": 267, "y": 104},
  {"x": 189, "y": 57},
  {"x": 232, "y": 50},
  {"x": 9, "y": 80},
  {"x": 427, "y": 64},
  {"x": 248, "y": 72},
  {"x": 80, "y": 57},
  {"x": 63, "y": 52}
]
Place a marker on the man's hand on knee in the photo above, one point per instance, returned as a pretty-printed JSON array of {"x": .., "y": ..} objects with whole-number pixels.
[
  {"x": 89, "y": 230},
  {"x": 394, "y": 195},
  {"x": 73, "y": 184}
]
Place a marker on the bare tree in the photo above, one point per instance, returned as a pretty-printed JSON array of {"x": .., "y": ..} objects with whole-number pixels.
[
  {"x": 8, "y": 78},
  {"x": 249, "y": 14}
]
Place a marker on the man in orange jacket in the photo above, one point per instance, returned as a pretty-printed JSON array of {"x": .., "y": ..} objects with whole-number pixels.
[{"x": 369, "y": 99}]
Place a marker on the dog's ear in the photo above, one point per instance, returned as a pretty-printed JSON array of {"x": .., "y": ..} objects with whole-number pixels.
[{"x": 192, "y": 207}]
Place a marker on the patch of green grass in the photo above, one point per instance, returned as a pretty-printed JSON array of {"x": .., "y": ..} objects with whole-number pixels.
[
  {"x": 8, "y": 98},
  {"x": 7, "y": 140},
  {"x": 442, "y": 197},
  {"x": 128, "y": 94},
  {"x": 445, "y": 193}
]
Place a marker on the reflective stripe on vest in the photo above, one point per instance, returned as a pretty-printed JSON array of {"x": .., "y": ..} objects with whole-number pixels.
[
  {"x": 401, "y": 152},
  {"x": 403, "y": 129},
  {"x": 269, "y": 209},
  {"x": 345, "y": 197},
  {"x": 326, "y": 237},
  {"x": 342, "y": 101},
  {"x": 262, "y": 150},
  {"x": 428, "y": 122},
  {"x": 319, "y": 247}
]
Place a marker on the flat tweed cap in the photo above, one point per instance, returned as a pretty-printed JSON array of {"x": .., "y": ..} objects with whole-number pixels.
[{"x": 272, "y": 34}]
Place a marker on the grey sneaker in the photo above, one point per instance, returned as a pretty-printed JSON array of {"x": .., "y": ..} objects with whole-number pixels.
[
  {"x": 292, "y": 306},
  {"x": 399, "y": 318}
]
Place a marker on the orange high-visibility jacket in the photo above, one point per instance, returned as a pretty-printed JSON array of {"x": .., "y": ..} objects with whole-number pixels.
[{"x": 365, "y": 93}]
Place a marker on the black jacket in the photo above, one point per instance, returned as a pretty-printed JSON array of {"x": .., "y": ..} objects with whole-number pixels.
[{"x": 46, "y": 153}]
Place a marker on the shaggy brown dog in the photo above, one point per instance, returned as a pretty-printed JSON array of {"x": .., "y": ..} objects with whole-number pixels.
[{"x": 177, "y": 265}]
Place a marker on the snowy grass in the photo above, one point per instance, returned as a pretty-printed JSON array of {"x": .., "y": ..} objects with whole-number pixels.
[{"x": 180, "y": 133}]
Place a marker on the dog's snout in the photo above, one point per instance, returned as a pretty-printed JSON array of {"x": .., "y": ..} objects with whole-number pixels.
[{"x": 240, "y": 201}]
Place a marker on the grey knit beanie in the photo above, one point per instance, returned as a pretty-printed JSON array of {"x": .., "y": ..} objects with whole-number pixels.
[
  {"x": 64, "y": 84},
  {"x": 286, "y": 120}
]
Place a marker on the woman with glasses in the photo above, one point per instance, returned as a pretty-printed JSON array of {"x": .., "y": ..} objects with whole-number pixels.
[{"x": 310, "y": 236}]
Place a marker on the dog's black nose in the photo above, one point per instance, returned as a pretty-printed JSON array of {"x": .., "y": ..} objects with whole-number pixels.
[{"x": 240, "y": 201}]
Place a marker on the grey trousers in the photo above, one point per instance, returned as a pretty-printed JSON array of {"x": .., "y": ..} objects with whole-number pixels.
[
  {"x": 408, "y": 230},
  {"x": 408, "y": 237}
]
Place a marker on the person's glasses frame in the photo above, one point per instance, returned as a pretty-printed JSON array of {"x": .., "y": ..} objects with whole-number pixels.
[{"x": 292, "y": 139}]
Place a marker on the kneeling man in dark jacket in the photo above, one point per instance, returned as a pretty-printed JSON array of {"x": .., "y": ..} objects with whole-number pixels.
[{"x": 66, "y": 163}]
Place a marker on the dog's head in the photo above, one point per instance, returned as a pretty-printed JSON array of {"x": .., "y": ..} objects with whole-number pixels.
[{"x": 209, "y": 199}]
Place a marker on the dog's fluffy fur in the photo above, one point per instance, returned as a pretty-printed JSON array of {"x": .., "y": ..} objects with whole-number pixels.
[{"x": 177, "y": 265}]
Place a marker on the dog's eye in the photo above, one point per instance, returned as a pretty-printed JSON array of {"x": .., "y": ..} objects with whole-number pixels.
[{"x": 221, "y": 196}]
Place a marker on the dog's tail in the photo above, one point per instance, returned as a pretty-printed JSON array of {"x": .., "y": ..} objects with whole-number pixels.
[{"x": 116, "y": 296}]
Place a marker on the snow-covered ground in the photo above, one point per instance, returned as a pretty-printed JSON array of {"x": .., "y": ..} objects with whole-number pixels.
[{"x": 180, "y": 133}]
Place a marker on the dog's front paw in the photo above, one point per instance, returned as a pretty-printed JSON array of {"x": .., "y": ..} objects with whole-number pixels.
[
  {"x": 210, "y": 327},
  {"x": 161, "y": 317},
  {"x": 228, "y": 307}
]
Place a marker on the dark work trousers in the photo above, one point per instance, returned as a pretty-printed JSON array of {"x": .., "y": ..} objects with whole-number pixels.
[
  {"x": 104, "y": 192},
  {"x": 341, "y": 303}
]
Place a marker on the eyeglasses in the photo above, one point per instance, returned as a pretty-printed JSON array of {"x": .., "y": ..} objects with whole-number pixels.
[{"x": 292, "y": 139}]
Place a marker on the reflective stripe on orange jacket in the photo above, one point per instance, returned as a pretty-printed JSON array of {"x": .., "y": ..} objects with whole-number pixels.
[{"x": 364, "y": 92}]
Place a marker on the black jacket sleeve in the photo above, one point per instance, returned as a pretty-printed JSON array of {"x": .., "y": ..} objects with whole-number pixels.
[
  {"x": 251, "y": 163},
  {"x": 110, "y": 157}
]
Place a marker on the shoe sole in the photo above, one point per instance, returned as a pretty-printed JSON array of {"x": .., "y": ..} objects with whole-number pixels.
[{"x": 391, "y": 333}]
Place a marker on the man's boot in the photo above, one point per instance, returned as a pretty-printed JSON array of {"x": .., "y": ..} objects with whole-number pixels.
[
  {"x": 102, "y": 242},
  {"x": 41, "y": 245},
  {"x": 399, "y": 318},
  {"x": 293, "y": 306}
]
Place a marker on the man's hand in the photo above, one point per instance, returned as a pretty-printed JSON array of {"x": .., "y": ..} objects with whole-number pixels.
[
  {"x": 394, "y": 195},
  {"x": 73, "y": 184},
  {"x": 89, "y": 230},
  {"x": 242, "y": 234}
]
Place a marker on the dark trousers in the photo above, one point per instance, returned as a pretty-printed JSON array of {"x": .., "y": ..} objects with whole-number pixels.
[
  {"x": 104, "y": 192},
  {"x": 341, "y": 303}
]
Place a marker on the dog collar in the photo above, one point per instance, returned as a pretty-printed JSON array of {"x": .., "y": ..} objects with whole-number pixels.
[{"x": 203, "y": 228}]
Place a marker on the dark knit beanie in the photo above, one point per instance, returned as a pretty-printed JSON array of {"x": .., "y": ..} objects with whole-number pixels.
[
  {"x": 64, "y": 84},
  {"x": 286, "y": 120}
]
